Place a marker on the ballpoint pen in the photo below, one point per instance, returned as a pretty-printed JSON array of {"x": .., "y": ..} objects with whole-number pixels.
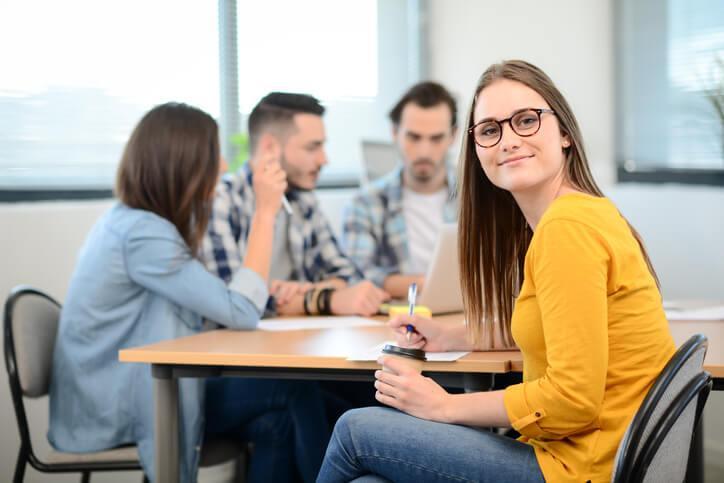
[
  {"x": 411, "y": 296},
  {"x": 287, "y": 206}
]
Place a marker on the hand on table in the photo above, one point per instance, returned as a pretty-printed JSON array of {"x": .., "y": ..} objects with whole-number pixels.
[{"x": 284, "y": 290}]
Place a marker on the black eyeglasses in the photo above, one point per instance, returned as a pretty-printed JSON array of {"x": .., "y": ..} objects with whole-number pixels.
[{"x": 488, "y": 132}]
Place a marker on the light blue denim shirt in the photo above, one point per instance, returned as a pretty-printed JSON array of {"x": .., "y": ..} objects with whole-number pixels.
[{"x": 136, "y": 282}]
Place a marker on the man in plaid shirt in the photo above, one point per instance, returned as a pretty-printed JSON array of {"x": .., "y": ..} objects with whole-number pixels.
[
  {"x": 309, "y": 272},
  {"x": 390, "y": 228}
]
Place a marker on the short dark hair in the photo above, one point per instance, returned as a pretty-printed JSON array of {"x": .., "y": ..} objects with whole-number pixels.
[
  {"x": 277, "y": 110},
  {"x": 170, "y": 166},
  {"x": 425, "y": 94}
]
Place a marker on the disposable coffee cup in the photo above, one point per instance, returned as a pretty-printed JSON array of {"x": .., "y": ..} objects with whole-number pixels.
[{"x": 412, "y": 358}]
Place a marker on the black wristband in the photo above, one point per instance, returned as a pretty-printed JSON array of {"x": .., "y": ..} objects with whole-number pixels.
[
  {"x": 328, "y": 305},
  {"x": 325, "y": 301}
]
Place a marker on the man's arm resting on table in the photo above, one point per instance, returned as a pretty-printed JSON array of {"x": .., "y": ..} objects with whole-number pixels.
[
  {"x": 295, "y": 306},
  {"x": 363, "y": 298}
]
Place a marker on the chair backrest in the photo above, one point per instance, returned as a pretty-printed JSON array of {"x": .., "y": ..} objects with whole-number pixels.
[
  {"x": 378, "y": 159},
  {"x": 664, "y": 455},
  {"x": 30, "y": 327},
  {"x": 683, "y": 367}
]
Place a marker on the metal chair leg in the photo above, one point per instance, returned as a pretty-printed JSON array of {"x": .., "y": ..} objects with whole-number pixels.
[{"x": 20, "y": 466}]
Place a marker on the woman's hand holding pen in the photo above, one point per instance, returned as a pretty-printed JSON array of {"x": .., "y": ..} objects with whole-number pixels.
[
  {"x": 407, "y": 390},
  {"x": 429, "y": 335}
]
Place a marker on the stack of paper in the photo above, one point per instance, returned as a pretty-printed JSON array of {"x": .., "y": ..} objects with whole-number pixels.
[
  {"x": 308, "y": 323},
  {"x": 683, "y": 311}
]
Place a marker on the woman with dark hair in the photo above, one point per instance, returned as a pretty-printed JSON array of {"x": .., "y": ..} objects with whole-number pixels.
[
  {"x": 543, "y": 252},
  {"x": 138, "y": 280}
]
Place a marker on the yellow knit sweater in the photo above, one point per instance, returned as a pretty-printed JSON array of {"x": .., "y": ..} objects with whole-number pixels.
[{"x": 591, "y": 327}]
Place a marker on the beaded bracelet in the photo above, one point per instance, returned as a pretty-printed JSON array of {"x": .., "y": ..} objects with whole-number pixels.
[
  {"x": 314, "y": 301},
  {"x": 320, "y": 298},
  {"x": 307, "y": 300}
]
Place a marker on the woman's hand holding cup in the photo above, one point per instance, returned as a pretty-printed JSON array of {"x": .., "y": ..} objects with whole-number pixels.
[{"x": 400, "y": 385}]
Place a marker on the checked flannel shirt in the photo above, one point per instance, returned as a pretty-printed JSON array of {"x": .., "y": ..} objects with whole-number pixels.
[
  {"x": 374, "y": 234},
  {"x": 314, "y": 250}
]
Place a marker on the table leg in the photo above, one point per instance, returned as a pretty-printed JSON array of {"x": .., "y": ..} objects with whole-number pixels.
[
  {"x": 477, "y": 382},
  {"x": 695, "y": 468},
  {"x": 166, "y": 427}
]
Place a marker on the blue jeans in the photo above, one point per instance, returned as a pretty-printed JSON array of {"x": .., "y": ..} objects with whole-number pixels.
[
  {"x": 285, "y": 420},
  {"x": 397, "y": 447}
]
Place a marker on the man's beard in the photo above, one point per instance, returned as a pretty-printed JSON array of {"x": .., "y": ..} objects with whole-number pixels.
[
  {"x": 292, "y": 172},
  {"x": 424, "y": 177}
]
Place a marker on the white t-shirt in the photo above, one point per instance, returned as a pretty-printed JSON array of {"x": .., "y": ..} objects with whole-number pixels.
[{"x": 423, "y": 219}]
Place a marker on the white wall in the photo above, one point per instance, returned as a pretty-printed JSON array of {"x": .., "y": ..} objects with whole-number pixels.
[
  {"x": 572, "y": 40},
  {"x": 569, "y": 39},
  {"x": 683, "y": 228}
]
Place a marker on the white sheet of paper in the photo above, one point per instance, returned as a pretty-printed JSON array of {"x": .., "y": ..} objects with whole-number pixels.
[
  {"x": 372, "y": 353},
  {"x": 305, "y": 323},
  {"x": 701, "y": 313}
]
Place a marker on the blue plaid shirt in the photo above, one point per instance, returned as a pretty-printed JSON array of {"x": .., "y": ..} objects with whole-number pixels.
[
  {"x": 314, "y": 250},
  {"x": 374, "y": 234}
]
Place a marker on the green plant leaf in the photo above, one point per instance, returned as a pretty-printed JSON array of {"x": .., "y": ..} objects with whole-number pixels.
[{"x": 241, "y": 141}]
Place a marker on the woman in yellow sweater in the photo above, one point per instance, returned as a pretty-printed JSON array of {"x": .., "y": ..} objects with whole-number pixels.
[{"x": 542, "y": 250}]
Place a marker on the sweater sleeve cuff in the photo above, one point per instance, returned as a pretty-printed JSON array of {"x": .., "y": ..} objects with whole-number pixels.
[
  {"x": 249, "y": 284},
  {"x": 522, "y": 417}
]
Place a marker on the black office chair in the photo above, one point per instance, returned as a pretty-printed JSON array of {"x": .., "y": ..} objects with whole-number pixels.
[
  {"x": 655, "y": 447},
  {"x": 31, "y": 325}
]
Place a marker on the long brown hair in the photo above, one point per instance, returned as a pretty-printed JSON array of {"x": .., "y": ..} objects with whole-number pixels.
[
  {"x": 493, "y": 235},
  {"x": 170, "y": 166}
]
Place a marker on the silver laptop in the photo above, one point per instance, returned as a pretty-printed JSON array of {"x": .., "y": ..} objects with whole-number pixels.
[{"x": 441, "y": 293}]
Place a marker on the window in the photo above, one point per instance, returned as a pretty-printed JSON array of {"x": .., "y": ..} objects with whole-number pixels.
[
  {"x": 356, "y": 57},
  {"x": 671, "y": 91},
  {"x": 77, "y": 78},
  {"x": 74, "y": 85}
]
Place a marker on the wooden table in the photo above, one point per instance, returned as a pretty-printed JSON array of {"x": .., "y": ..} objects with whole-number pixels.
[
  {"x": 321, "y": 355},
  {"x": 303, "y": 354}
]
